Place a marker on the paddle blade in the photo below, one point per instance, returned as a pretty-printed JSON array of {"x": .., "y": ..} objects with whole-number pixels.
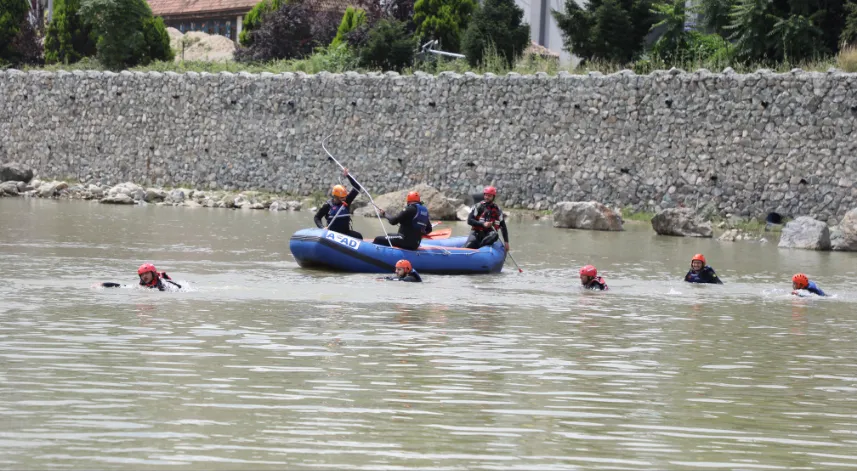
[{"x": 439, "y": 234}]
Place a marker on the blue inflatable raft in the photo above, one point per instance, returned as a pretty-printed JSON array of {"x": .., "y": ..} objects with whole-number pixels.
[{"x": 321, "y": 248}]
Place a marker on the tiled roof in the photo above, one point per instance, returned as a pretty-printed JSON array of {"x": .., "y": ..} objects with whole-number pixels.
[
  {"x": 190, "y": 7},
  {"x": 186, "y": 7}
]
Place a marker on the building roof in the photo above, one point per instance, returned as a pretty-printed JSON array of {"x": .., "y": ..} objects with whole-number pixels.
[
  {"x": 207, "y": 7},
  {"x": 191, "y": 7}
]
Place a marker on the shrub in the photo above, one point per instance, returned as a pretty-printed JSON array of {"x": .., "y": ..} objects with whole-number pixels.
[
  {"x": 13, "y": 14},
  {"x": 68, "y": 38},
  {"x": 498, "y": 25},
  {"x": 27, "y": 45},
  {"x": 388, "y": 47},
  {"x": 128, "y": 35},
  {"x": 283, "y": 34},
  {"x": 351, "y": 20},
  {"x": 605, "y": 30},
  {"x": 253, "y": 19},
  {"x": 444, "y": 20}
]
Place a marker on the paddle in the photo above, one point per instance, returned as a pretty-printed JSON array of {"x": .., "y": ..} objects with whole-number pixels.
[
  {"x": 510, "y": 255},
  {"x": 439, "y": 234}
]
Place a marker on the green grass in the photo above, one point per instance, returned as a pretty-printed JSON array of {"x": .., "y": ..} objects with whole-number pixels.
[{"x": 628, "y": 214}]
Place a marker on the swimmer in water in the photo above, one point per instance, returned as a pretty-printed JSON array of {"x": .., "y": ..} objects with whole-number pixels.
[
  {"x": 150, "y": 278},
  {"x": 801, "y": 282},
  {"x": 590, "y": 280},
  {"x": 405, "y": 272},
  {"x": 700, "y": 272}
]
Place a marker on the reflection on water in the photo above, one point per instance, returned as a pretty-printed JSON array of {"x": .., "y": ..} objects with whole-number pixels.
[{"x": 263, "y": 365}]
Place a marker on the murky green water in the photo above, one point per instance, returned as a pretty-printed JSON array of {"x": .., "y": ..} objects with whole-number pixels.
[{"x": 263, "y": 365}]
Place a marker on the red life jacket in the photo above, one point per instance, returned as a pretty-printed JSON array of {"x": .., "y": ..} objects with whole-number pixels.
[
  {"x": 597, "y": 283},
  {"x": 488, "y": 212}
]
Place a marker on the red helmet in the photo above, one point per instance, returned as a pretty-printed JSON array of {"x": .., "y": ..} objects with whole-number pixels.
[
  {"x": 404, "y": 264},
  {"x": 800, "y": 280},
  {"x": 699, "y": 257},
  {"x": 588, "y": 270},
  {"x": 413, "y": 197},
  {"x": 147, "y": 267},
  {"x": 490, "y": 190}
]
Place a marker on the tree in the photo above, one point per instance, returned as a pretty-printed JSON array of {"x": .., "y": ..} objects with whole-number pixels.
[
  {"x": 673, "y": 41},
  {"x": 798, "y": 37},
  {"x": 27, "y": 45},
  {"x": 498, "y": 24},
  {"x": 283, "y": 34},
  {"x": 68, "y": 39},
  {"x": 351, "y": 20},
  {"x": 13, "y": 14},
  {"x": 444, "y": 20},
  {"x": 715, "y": 15},
  {"x": 253, "y": 19},
  {"x": 751, "y": 21},
  {"x": 388, "y": 47},
  {"x": 612, "y": 30},
  {"x": 849, "y": 32},
  {"x": 127, "y": 33}
]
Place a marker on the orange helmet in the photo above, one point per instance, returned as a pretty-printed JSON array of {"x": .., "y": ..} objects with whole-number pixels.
[
  {"x": 413, "y": 197},
  {"x": 699, "y": 257},
  {"x": 800, "y": 280},
  {"x": 339, "y": 191},
  {"x": 404, "y": 264}
]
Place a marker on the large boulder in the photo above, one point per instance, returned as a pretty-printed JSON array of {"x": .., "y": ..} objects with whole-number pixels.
[
  {"x": 589, "y": 215},
  {"x": 155, "y": 195},
  {"x": 440, "y": 207},
  {"x": 805, "y": 233},
  {"x": 15, "y": 172},
  {"x": 130, "y": 189},
  {"x": 682, "y": 222},
  {"x": 49, "y": 190},
  {"x": 9, "y": 188},
  {"x": 845, "y": 238}
]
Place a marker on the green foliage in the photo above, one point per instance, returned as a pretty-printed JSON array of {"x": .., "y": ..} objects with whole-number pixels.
[
  {"x": 13, "y": 13},
  {"x": 611, "y": 30},
  {"x": 444, "y": 20},
  {"x": 128, "y": 35},
  {"x": 68, "y": 38},
  {"x": 497, "y": 25},
  {"x": 751, "y": 21},
  {"x": 389, "y": 47},
  {"x": 253, "y": 19},
  {"x": 673, "y": 41},
  {"x": 798, "y": 37},
  {"x": 849, "y": 32},
  {"x": 715, "y": 15},
  {"x": 351, "y": 20}
]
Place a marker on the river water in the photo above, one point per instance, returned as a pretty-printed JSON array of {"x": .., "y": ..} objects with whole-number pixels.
[{"x": 263, "y": 365}]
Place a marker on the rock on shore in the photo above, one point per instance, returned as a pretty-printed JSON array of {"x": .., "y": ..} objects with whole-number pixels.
[
  {"x": 589, "y": 215},
  {"x": 440, "y": 207},
  {"x": 683, "y": 222},
  {"x": 805, "y": 233}
]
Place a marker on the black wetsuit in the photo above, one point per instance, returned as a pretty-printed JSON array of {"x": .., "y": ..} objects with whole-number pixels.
[
  {"x": 412, "y": 277},
  {"x": 706, "y": 275},
  {"x": 342, "y": 223},
  {"x": 480, "y": 236},
  {"x": 596, "y": 283},
  {"x": 410, "y": 234}
]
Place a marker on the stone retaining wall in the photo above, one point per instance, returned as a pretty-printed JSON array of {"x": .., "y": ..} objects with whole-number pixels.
[{"x": 742, "y": 144}]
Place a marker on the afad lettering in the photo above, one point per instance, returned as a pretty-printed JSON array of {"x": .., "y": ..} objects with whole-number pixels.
[{"x": 341, "y": 239}]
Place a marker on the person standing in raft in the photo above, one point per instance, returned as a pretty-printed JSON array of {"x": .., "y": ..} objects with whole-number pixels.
[
  {"x": 405, "y": 272},
  {"x": 337, "y": 210},
  {"x": 484, "y": 220},
  {"x": 700, "y": 272},
  {"x": 590, "y": 280},
  {"x": 150, "y": 278},
  {"x": 413, "y": 224},
  {"x": 801, "y": 282}
]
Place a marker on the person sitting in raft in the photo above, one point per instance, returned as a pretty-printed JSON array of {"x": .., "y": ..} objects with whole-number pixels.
[
  {"x": 590, "y": 280},
  {"x": 700, "y": 272},
  {"x": 801, "y": 282},
  {"x": 150, "y": 278},
  {"x": 337, "y": 210},
  {"x": 405, "y": 272},
  {"x": 413, "y": 224},
  {"x": 484, "y": 220}
]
